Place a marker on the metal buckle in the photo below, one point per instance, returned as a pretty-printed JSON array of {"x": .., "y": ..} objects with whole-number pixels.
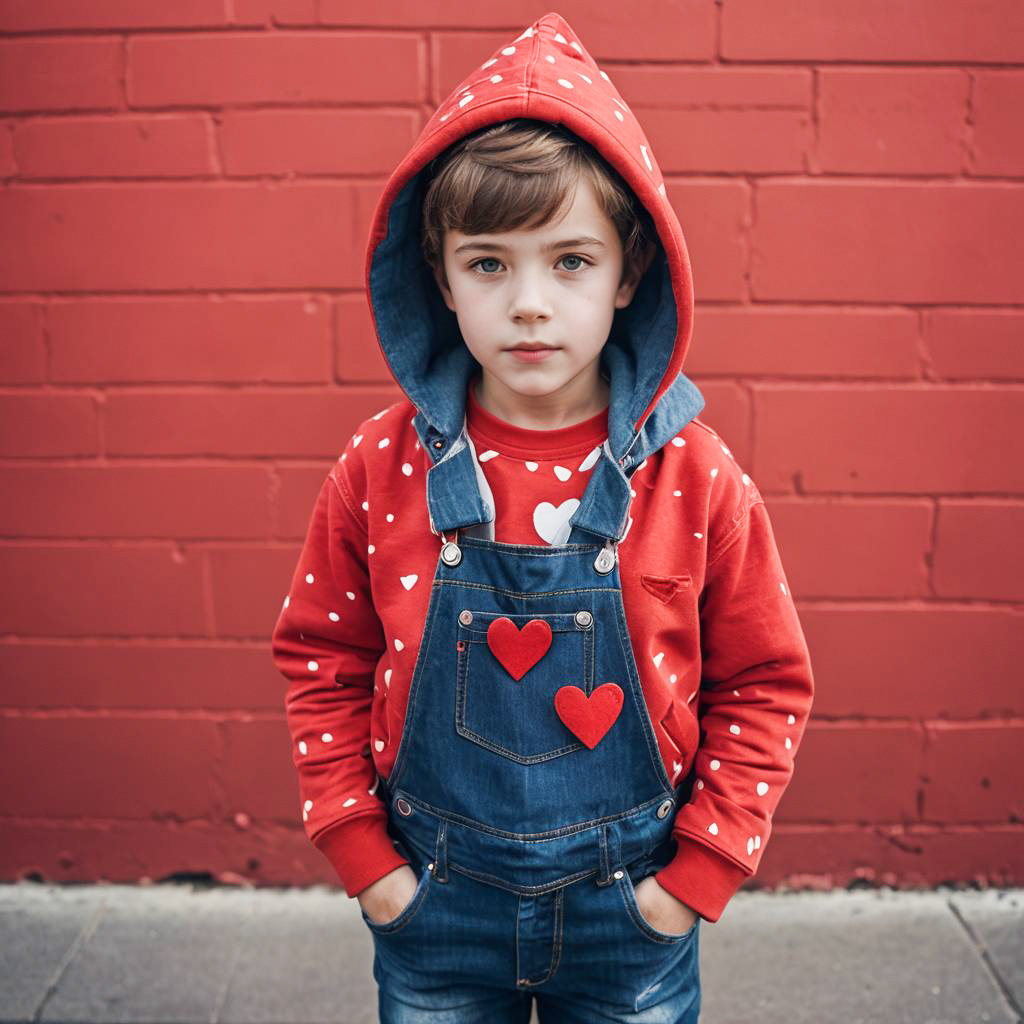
[
  {"x": 451, "y": 553},
  {"x": 607, "y": 557}
]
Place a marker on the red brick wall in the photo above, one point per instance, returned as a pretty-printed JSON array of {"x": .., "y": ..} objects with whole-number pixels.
[{"x": 185, "y": 189}]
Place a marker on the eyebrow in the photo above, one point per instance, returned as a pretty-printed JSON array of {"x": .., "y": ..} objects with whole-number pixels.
[{"x": 564, "y": 244}]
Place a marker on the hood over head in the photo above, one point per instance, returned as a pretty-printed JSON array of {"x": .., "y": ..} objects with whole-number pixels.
[{"x": 545, "y": 74}]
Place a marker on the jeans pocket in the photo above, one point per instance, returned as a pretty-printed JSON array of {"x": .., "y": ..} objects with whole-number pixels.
[
  {"x": 505, "y": 689},
  {"x": 628, "y": 892},
  {"x": 408, "y": 912}
]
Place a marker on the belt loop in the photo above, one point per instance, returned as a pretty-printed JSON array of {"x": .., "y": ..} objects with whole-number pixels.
[
  {"x": 614, "y": 852},
  {"x": 604, "y": 871},
  {"x": 441, "y": 853}
]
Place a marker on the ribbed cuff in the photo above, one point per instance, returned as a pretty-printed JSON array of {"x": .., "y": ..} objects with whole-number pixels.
[
  {"x": 360, "y": 851},
  {"x": 702, "y": 879}
]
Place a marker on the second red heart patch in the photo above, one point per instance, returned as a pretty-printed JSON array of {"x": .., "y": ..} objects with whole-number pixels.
[
  {"x": 518, "y": 650},
  {"x": 589, "y": 718}
]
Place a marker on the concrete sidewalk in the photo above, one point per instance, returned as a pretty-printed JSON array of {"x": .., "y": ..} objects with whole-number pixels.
[{"x": 183, "y": 953}]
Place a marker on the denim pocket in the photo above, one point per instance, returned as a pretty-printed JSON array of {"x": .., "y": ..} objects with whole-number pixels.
[
  {"x": 646, "y": 929},
  {"x": 408, "y": 912},
  {"x": 516, "y": 718}
]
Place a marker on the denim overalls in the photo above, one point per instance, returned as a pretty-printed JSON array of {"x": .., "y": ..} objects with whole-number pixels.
[{"x": 528, "y": 791}]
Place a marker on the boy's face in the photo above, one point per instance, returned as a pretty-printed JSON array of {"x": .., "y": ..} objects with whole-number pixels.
[{"x": 526, "y": 285}]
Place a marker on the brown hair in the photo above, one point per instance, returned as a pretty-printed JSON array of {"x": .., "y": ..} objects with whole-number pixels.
[{"x": 522, "y": 173}]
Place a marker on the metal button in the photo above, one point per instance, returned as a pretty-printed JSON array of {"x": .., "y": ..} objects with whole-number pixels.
[
  {"x": 430, "y": 866},
  {"x": 451, "y": 553},
  {"x": 584, "y": 618},
  {"x": 618, "y": 874},
  {"x": 403, "y": 807},
  {"x": 605, "y": 562},
  {"x": 465, "y": 616},
  {"x": 664, "y": 807}
]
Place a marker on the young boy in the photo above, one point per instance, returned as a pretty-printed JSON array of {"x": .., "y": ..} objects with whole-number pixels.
[{"x": 546, "y": 677}]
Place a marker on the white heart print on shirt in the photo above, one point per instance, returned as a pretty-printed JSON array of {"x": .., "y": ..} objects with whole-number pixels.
[{"x": 552, "y": 522}]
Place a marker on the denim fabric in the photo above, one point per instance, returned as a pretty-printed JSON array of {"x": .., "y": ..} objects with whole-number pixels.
[
  {"x": 420, "y": 339},
  {"x": 454, "y": 953},
  {"x": 527, "y": 843},
  {"x": 453, "y": 495}
]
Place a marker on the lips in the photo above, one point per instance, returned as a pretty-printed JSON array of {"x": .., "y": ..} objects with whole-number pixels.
[
  {"x": 532, "y": 355},
  {"x": 531, "y": 347}
]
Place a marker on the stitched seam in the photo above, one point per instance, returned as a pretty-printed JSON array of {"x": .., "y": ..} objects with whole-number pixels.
[
  {"x": 648, "y": 929},
  {"x": 519, "y": 907},
  {"x": 346, "y": 496},
  {"x": 522, "y": 454},
  {"x": 528, "y": 838},
  {"x": 523, "y": 890},
  {"x": 723, "y": 853},
  {"x": 556, "y": 956},
  {"x": 525, "y": 595},
  {"x": 637, "y": 694},
  {"x": 348, "y": 819},
  {"x": 413, "y": 693},
  {"x": 733, "y": 534},
  {"x": 412, "y": 909},
  {"x": 462, "y": 687}
]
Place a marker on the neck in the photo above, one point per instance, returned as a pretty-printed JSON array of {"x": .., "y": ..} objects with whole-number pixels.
[{"x": 577, "y": 401}]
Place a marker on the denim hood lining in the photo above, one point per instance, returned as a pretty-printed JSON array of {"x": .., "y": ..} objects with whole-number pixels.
[{"x": 651, "y": 399}]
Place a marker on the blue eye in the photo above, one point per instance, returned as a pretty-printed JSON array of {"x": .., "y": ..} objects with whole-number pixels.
[
  {"x": 486, "y": 259},
  {"x": 491, "y": 259}
]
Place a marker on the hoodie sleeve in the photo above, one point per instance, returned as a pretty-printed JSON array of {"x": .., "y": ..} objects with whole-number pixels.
[
  {"x": 327, "y": 642},
  {"x": 756, "y": 693}
]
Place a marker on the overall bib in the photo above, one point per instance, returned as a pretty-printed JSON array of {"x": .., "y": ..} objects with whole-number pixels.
[{"x": 530, "y": 797}]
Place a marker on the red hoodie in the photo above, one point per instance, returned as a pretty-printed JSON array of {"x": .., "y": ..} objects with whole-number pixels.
[{"x": 721, "y": 656}]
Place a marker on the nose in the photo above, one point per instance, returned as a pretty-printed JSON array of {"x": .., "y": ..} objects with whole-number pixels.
[{"x": 529, "y": 300}]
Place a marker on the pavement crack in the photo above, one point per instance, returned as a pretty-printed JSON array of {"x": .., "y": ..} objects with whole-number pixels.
[
  {"x": 53, "y": 983},
  {"x": 236, "y": 952},
  {"x": 986, "y": 960}
]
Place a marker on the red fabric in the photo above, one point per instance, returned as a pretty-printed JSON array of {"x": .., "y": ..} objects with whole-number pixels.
[
  {"x": 589, "y": 718},
  {"x": 720, "y": 653},
  {"x": 377, "y": 854},
  {"x": 724, "y": 648},
  {"x": 517, "y": 649}
]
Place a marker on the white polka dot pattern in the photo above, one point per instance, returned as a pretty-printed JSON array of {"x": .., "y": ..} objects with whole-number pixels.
[
  {"x": 349, "y": 631},
  {"x": 724, "y": 750},
  {"x": 560, "y": 65}
]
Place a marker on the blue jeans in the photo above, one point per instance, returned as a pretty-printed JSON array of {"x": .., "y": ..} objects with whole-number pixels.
[
  {"x": 528, "y": 813},
  {"x": 588, "y": 952}
]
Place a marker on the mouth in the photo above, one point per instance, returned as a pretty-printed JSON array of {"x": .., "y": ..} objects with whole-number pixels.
[{"x": 532, "y": 352}]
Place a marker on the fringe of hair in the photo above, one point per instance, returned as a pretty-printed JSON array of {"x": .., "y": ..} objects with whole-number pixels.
[{"x": 522, "y": 173}]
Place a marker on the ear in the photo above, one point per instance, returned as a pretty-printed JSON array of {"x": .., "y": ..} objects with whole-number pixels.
[
  {"x": 628, "y": 287},
  {"x": 442, "y": 284}
]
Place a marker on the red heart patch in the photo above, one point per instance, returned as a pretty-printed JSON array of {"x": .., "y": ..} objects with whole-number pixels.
[
  {"x": 518, "y": 649},
  {"x": 589, "y": 718}
]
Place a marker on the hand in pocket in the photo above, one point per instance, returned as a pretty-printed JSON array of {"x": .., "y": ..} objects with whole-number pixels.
[
  {"x": 386, "y": 898},
  {"x": 661, "y": 909}
]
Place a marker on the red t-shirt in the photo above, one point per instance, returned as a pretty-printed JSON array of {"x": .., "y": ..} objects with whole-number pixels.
[{"x": 537, "y": 477}]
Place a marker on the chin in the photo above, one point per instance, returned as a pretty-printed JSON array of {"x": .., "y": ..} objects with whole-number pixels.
[{"x": 536, "y": 383}]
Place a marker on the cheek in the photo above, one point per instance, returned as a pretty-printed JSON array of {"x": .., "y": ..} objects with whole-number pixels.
[
  {"x": 464, "y": 297},
  {"x": 476, "y": 312},
  {"x": 597, "y": 298},
  {"x": 474, "y": 304}
]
